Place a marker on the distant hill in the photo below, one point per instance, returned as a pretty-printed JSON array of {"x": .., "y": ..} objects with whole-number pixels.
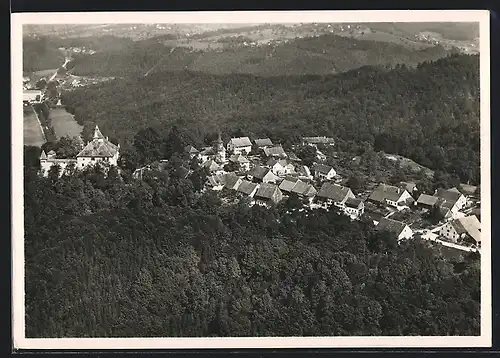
[
  {"x": 429, "y": 114},
  {"x": 325, "y": 54}
]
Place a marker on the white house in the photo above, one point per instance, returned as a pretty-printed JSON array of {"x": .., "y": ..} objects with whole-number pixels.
[
  {"x": 391, "y": 195},
  {"x": 401, "y": 230},
  {"x": 264, "y": 175},
  {"x": 32, "y": 96},
  {"x": 240, "y": 145},
  {"x": 467, "y": 227},
  {"x": 99, "y": 150},
  {"x": 280, "y": 166},
  {"x": 240, "y": 160},
  {"x": 324, "y": 172},
  {"x": 455, "y": 199},
  {"x": 354, "y": 207}
]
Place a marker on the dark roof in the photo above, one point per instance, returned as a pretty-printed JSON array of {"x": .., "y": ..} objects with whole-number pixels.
[
  {"x": 304, "y": 189},
  {"x": 266, "y": 142},
  {"x": 266, "y": 191},
  {"x": 191, "y": 150},
  {"x": 232, "y": 181},
  {"x": 408, "y": 186},
  {"x": 259, "y": 172},
  {"x": 99, "y": 147},
  {"x": 211, "y": 165},
  {"x": 386, "y": 224},
  {"x": 274, "y": 151},
  {"x": 183, "y": 172},
  {"x": 333, "y": 191},
  {"x": 384, "y": 191},
  {"x": 427, "y": 200},
  {"x": 448, "y": 195},
  {"x": 247, "y": 187},
  {"x": 241, "y": 142},
  {"x": 322, "y": 168},
  {"x": 353, "y": 203},
  {"x": 293, "y": 156}
]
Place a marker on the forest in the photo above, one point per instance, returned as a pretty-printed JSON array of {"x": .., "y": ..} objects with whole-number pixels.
[
  {"x": 429, "y": 114},
  {"x": 325, "y": 54},
  {"x": 106, "y": 256}
]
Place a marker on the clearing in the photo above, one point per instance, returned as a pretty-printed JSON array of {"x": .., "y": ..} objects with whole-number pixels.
[
  {"x": 64, "y": 123},
  {"x": 32, "y": 133}
]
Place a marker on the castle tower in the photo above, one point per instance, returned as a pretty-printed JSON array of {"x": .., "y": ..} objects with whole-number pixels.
[{"x": 220, "y": 151}]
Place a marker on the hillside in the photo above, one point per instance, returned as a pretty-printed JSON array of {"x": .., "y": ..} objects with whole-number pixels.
[
  {"x": 324, "y": 54},
  {"x": 429, "y": 114}
]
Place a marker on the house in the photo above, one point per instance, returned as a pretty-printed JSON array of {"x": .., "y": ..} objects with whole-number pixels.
[
  {"x": 32, "y": 96},
  {"x": 335, "y": 194},
  {"x": 216, "y": 152},
  {"x": 288, "y": 183},
  {"x": 276, "y": 151},
  {"x": 324, "y": 172},
  {"x": 99, "y": 150},
  {"x": 303, "y": 172},
  {"x": 465, "y": 228},
  {"x": 391, "y": 195},
  {"x": 192, "y": 151},
  {"x": 314, "y": 141},
  {"x": 263, "y": 143},
  {"x": 231, "y": 181},
  {"x": 212, "y": 166},
  {"x": 354, "y": 207},
  {"x": 280, "y": 166},
  {"x": 239, "y": 145},
  {"x": 293, "y": 157},
  {"x": 240, "y": 160},
  {"x": 401, "y": 230},
  {"x": 262, "y": 174},
  {"x": 304, "y": 191},
  {"x": 453, "y": 196},
  {"x": 216, "y": 182},
  {"x": 410, "y": 187},
  {"x": 248, "y": 188},
  {"x": 268, "y": 194},
  {"x": 206, "y": 153},
  {"x": 427, "y": 201}
]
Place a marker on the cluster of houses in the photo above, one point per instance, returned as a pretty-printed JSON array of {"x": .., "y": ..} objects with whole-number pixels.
[{"x": 280, "y": 174}]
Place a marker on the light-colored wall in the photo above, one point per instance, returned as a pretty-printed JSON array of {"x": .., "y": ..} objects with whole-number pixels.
[
  {"x": 449, "y": 232},
  {"x": 407, "y": 233}
]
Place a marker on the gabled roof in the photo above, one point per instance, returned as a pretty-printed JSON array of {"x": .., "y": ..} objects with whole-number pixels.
[
  {"x": 293, "y": 156},
  {"x": 304, "y": 189},
  {"x": 353, "y": 203},
  {"x": 322, "y": 168},
  {"x": 211, "y": 165},
  {"x": 43, "y": 155},
  {"x": 232, "y": 181},
  {"x": 265, "y": 142},
  {"x": 386, "y": 224},
  {"x": 259, "y": 172},
  {"x": 333, "y": 191},
  {"x": 303, "y": 170},
  {"x": 247, "y": 187},
  {"x": 288, "y": 183},
  {"x": 448, "y": 195},
  {"x": 386, "y": 192},
  {"x": 238, "y": 158},
  {"x": 241, "y": 142},
  {"x": 427, "y": 200},
  {"x": 468, "y": 225},
  {"x": 274, "y": 151},
  {"x": 99, "y": 147},
  {"x": 216, "y": 180},
  {"x": 266, "y": 191},
  {"x": 207, "y": 151},
  {"x": 191, "y": 150}
]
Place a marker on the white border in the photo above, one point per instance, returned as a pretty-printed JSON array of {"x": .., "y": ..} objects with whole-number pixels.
[{"x": 245, "y": 17}]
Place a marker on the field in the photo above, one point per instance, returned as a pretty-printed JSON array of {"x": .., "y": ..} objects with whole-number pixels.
[
  {"x": 64, "y": 124},
  {"x": 32, "y": 134}
]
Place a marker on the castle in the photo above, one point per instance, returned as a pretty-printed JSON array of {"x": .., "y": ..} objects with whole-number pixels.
[{"x": 99, "y": 150}]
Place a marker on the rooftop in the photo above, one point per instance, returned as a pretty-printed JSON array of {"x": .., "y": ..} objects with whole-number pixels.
[
  {"x": 265, "y": 142},
  {"x": 386, "y": 192},
  {"x": 99, "y": 147},
  {"x": 353, "y": 203},
  {"x": 468, "y": 225},
  {"x": 241, "y": 142},
  {"x": 259, "y": 172},
  {"x": 247, "y": 187},
  {"x": 266, "y": 191},
  {"x": 427, "y": 199},
  {"x": 333, "y": 191},
  {"x": 386, "y": 224},
  {"x": 322, "y": 168},
  {"x": 274, "y": 151}
]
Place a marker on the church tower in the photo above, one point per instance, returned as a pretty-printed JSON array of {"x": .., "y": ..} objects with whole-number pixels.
[{"x": 219, "y": 150}]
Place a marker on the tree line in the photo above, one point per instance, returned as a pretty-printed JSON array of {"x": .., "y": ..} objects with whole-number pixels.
[{"x": 108, "y": 256}]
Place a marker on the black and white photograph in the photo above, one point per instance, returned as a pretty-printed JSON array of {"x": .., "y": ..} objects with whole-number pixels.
[{"x": 257, "y": 179}]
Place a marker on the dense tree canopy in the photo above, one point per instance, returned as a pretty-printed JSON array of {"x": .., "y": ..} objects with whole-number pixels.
[
  {"x": 111, "y": 258},
  {"x": 429, "y": 114}
]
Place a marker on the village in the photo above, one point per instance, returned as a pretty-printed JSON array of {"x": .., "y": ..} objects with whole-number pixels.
[{"x": 265, "y": 174}]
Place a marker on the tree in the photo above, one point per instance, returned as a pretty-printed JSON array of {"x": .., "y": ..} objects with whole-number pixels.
[
  {"x": 148, "y": 145},
  {"x": 307, "y": 154}
]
